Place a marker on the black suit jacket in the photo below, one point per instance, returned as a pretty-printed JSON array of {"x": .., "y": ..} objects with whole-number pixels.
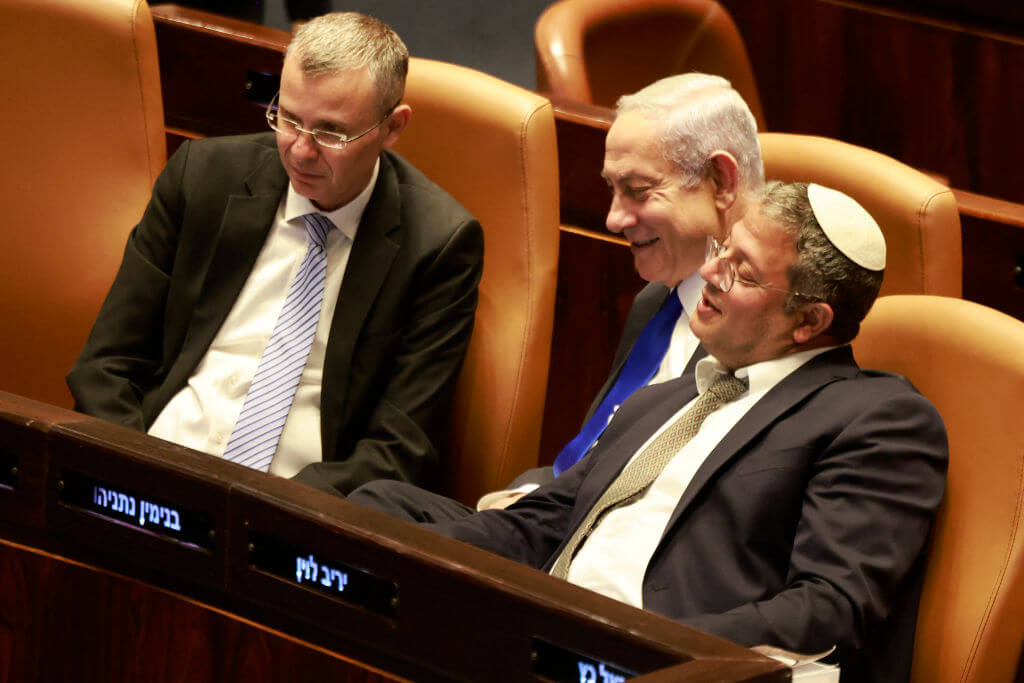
[
  {"x": 402, "y": 323},
  {"x": 804, "y": 527}
]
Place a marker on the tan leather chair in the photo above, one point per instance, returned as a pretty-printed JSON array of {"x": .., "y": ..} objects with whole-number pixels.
[
  {"x": 83, "y": 141},
  {"x": 967, "y": 359},
  {"x": 917, "y": 214},
  {"x": 491, "y": 145},
  {"x": 593, "y": 51}
]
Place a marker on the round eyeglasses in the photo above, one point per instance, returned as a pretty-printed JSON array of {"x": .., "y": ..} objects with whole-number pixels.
[
  {"x": 726, "y": 276},
  {"x": 325, "y": 138}
]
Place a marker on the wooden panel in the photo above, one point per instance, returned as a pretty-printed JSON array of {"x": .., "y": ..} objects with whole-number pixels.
[
  {"x": 937, "y": 96},
  {"x": 152, "y": 612},
  {"x": 128, "y": 631},
  {"x": 217, "y": 73},
  {"x": 596, "y": 286}
]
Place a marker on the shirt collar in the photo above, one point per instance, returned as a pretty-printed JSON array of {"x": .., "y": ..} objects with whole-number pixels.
[
  {"x": 689, "y": 293},
  {"x": 761, "y": 376},
  {"x": 346, "y": 217}
]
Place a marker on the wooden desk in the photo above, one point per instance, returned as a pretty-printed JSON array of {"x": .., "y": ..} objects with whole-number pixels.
[{"x": 124, "y": 557}]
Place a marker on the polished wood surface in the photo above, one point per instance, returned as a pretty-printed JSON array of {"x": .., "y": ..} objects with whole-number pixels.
[
  {"x": 596, "y": 286},
  {"x": 159, "y": 608},
  {"x": 131, "y": 631},
  {"x": 936, "y": 94},
  {"x": 215, "y": 71}
]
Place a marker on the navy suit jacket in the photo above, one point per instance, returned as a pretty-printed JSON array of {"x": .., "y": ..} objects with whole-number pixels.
[
  {"x": 804, "y": 528},
  {"x": 401, "y": 326}
]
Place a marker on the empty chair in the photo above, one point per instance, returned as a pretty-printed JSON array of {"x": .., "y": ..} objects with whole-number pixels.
[
  {"x": 83, "y": 141},
  {"x": 593, "y": 51},
  {"x": 917, "y": 214},
  {"x": 967, "y": 360},
  {"x": 491, "y": 145}
]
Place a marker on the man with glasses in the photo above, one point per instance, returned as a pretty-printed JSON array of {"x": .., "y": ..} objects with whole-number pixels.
[
  {"x": 785, "y": 499},
  {"x": 302, "y": 310},
  {"x": 681, "y": 159}
]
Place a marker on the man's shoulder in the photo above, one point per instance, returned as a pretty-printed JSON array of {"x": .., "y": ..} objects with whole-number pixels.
[{"x": 864, "y": 387}]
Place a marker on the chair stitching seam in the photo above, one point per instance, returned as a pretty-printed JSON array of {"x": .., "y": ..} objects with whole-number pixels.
[
  {"x": 142, "y": 91},
  {"x": 525, "y": 211},
  {"x": 922, "y": 210},
  {"x": 976, "y": 645}
]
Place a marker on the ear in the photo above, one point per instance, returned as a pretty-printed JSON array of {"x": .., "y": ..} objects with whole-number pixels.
[
  {"x": 812, "y": 321},
  {"x": 725, "y": 179},
  {"x": 395, "y": 124}
]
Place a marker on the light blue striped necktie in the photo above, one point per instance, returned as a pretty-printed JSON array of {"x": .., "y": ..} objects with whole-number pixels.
[{"x": 258, "y": 429}]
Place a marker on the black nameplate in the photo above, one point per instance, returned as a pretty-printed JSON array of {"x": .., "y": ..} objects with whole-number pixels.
[
  {"x": 146, "y": 514},
  {"x": 324, "y": 575},
  {"x": 8, "y": 469},
  {"x": 556, "y": 663}
]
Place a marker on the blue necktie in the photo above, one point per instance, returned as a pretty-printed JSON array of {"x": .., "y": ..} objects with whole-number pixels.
[
  {"x": 643, "y": 361},
  {"x": 258, "y": 429}
]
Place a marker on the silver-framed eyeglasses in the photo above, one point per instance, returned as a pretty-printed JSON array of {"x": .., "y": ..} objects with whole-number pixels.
[
  {"x": 325, "y": 138},
  {"x": 726, "y": 275}
]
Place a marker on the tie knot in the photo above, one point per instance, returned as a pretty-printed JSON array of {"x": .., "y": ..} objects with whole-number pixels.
[
  {"x": 727, "y": 387},
  {"x": 317, "y": 227}
]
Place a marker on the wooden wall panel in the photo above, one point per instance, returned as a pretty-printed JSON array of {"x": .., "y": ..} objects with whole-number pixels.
[
  {"x": 596, "y": 286},
  {"x": 938, "y": 96},
  {"x": 62, "y": 621}
]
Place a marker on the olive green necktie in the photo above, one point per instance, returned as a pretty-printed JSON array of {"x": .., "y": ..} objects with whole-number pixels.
[{"x": 645, "y": 468}]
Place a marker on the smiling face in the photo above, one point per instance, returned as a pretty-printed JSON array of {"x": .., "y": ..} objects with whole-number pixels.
[
  {"x": 343, "y": 102},
  {"x": 747, "y": 324},
  {"x": 667, "y": 225}
]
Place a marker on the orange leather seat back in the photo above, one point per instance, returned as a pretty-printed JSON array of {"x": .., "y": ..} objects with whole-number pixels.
[
  {"x": 594, "y": 51},
  {"x": 917, "y": 214},
  {"x": 967, "y": 359},
  {"x": 83, "y": 140},
  {"x": 491, "y": 145}
]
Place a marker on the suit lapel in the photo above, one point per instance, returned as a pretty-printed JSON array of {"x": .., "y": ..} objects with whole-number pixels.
[
  {"x": 829, "y": 367},
  {"x": 377, "y": 243},
  {"x": 244, "y": 227},
  {"x": 631, "y": 426}
]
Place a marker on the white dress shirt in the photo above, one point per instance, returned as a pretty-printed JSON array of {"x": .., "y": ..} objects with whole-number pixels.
[
  {"x": 614, "y": 559},
  {"x": 202, "y": 415}
]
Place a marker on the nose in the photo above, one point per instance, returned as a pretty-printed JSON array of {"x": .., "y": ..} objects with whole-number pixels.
[
  {"x": 304, "y": 146},
  {"x": 619, "y": 216},
  {"x": 710, "y": 271}
]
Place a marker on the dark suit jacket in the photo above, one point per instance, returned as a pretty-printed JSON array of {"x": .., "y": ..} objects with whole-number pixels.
[
  {"x": 804, "y": 527},
  {"x": 645, "y": 306},
  {"x": 400, "y": 330}
]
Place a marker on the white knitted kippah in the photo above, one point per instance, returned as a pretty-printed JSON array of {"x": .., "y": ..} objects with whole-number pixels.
[{"x": 848, "y": 226}]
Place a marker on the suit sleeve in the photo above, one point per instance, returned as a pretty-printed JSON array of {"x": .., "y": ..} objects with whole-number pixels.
[
  {"x": 408, "y": 422},
  {"x": 530, "y": 530},
  {"x": 867, "y": 510},
  {"x": 122, "y": 355}
]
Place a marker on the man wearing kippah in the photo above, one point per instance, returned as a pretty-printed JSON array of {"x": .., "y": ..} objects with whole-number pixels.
[{"x": 786, "y": 499}]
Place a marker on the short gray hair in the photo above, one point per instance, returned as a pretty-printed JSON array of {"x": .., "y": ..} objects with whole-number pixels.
[
  {"x": 343, "y": 41},
  {"x": 698, "y": 115},
  {"x": 821, "y": 271}
]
